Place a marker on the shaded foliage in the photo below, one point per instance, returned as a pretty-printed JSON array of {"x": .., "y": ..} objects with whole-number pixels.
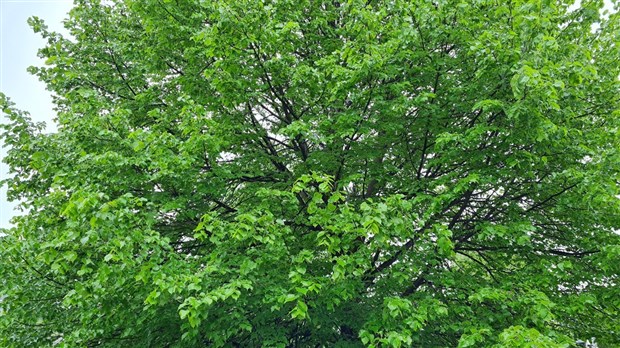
[{"x": 302, "y": 173}]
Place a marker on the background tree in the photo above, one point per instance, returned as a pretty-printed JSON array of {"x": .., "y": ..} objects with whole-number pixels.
[{"x": 303, "y": 173}]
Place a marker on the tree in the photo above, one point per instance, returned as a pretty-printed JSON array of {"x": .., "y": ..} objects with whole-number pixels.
[{"x": 302, "y": 174}]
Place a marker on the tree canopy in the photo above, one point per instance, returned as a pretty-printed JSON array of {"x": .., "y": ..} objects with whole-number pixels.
[{"x": 293, "y": 173}]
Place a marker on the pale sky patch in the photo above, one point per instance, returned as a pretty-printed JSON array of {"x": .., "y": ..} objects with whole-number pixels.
[{"x": 18, "y": 51}]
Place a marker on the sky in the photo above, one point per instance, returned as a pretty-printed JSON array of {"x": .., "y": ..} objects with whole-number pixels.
[{"x": 18, "y": 51}]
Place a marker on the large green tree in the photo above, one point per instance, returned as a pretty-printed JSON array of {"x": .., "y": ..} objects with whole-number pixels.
[{"x": 318, "y": 173}]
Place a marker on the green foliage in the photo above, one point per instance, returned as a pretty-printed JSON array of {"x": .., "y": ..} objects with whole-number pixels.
[{"x": 304, "y": 174}]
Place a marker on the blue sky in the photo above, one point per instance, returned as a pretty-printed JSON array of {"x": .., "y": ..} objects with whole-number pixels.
[{"x": 18, "y": 51}]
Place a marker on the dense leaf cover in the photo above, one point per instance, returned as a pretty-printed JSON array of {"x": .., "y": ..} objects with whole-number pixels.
[{"x": 318, "y": 174}]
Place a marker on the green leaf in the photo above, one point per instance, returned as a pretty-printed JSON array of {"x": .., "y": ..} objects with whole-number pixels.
[{"x": 342, "y": 174}]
